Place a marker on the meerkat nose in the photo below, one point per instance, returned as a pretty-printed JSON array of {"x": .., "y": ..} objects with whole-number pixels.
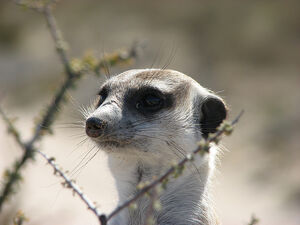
[{"x": 94, "y": 127}]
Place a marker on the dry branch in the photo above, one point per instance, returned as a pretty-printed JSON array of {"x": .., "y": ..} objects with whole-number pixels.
[
  {"x": 48, "y": 117},
  {"x": 73, "y": 74},
  {"x": 13, "y": 175},
  {"x": 70, "y": 184},
  {"x": 67, "y": 181}
]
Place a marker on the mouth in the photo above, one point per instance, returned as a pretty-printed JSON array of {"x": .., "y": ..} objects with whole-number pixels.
[{"x": 110, "y": 143}]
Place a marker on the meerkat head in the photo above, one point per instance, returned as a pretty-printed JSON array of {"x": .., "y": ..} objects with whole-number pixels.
[{"x": 154, "y": 112}]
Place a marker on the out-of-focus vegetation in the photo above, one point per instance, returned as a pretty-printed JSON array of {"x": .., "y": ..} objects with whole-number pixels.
[{"x": 246, "y": 51}]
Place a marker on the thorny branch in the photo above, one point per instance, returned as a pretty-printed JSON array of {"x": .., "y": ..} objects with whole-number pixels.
[
  {"x": 73, "y": 71},
  {"x": 12, "y": 176},
  {"x": 59, "y": 41},
  {"x": 67, "y": 181},
  {"x": 70, "y": 184},
  {"x": 202, "y": 147},
  {"x": 45, "y": 122}
]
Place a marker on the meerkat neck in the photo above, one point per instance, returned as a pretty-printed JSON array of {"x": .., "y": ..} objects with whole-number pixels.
[
  {"x": 129, "y": 172},
  {"x": 187, "y": 193}
]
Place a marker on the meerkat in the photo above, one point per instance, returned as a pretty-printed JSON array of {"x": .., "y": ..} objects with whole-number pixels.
[{"x": 145, "y": 119}]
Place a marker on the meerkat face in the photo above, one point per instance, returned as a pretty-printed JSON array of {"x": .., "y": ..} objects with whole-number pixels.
[{"x": 157, "y": 112}]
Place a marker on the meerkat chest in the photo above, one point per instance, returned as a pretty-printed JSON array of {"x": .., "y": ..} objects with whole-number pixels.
[{"x": 182, "y": 195}]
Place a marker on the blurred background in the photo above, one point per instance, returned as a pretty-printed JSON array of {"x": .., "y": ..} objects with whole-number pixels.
[{"x": 246, "y": 51}]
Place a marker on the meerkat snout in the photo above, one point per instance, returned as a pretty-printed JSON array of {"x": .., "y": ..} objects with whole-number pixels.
[{"x": 94, "y": 127}]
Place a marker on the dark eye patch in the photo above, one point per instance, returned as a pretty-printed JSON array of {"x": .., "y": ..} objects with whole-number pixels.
[
  {"x": 102, "y": 96},
  {"x": 148, "y": 100},
  {"x": 150, "y": 103}
]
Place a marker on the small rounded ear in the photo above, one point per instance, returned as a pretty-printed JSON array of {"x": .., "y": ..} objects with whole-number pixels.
[{"x": 213, "y": 111}]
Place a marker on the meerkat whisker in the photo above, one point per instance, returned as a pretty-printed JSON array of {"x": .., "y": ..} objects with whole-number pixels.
[{"x": 83, "y": 157}]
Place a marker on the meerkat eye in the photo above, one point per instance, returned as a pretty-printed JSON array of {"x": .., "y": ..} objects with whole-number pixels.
[
  {"x": 150, "y": 103},
  {"x": 102, "y": 96}
]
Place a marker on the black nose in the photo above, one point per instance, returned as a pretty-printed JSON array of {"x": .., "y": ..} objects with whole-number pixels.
[{"x": 94, "y": 127}]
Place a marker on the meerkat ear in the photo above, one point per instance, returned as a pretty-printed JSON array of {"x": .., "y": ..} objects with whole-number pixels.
[{"x": 213, "y": 112}]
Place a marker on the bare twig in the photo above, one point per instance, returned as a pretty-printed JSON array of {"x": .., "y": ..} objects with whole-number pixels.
[
  {"x": 48, "y": 117},
  {"x": 44, "y": 125},
  {"x": 60, "y": 44},
  {"x": 70, "y": 184},
  {"x": 201, "y": 147},
  {"x": 72, "y": 76},
  {"x": 11, "y": 128},
  {"x": 51, "y": 111},
  {"x": 13, "y": 175}
]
